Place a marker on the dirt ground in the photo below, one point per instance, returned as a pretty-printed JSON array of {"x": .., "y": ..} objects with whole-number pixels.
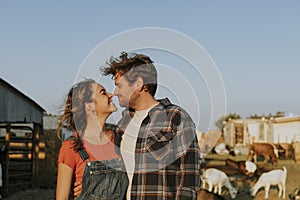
[
  {"x": 292, "y": 182},
  {"x": 32, "y": 194}
]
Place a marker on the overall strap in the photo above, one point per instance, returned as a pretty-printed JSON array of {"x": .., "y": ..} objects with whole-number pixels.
[{"x": 82, "y": 152}]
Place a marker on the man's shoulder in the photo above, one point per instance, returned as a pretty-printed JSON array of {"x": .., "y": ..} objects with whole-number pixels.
[
  {"x": 165, "y": 104},
  {"x": 174, "y": 111},
  {"x": 173, "y": 108}
]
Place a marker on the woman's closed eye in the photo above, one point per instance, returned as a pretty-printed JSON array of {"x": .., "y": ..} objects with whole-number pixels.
[{"x": 103, "y": 91}]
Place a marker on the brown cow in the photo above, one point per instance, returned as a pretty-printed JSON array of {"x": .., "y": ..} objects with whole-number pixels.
[
  {"x": 268, "y": 151},
  {"x": 244, "y": 167},
  {"x": 239, "y": 165}
]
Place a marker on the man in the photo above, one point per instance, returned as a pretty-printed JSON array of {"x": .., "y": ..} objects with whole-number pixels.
[{"x": 157, "y": 139}]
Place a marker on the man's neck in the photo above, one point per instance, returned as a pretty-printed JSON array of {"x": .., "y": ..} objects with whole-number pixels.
[{"x": 146, "y": 104}]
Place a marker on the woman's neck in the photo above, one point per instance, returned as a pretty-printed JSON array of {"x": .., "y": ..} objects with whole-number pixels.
[{"x": 95, "y": 132}]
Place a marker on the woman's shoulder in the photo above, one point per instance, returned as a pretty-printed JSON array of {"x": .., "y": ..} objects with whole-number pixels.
[
  {"x": 69, "y": 142},
  {"x": 67, "y": 147},
  {"x": 67, "y": 154}
]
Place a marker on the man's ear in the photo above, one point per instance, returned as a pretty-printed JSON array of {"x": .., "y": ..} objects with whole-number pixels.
[
  {"x": 140, "y": 85},
  {"x": 139, "y": 82}
]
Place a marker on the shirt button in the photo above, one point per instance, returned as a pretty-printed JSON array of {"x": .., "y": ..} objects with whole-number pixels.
[
  {"x": 91, "y": 172},
  {"x": 89, "y": 164}
]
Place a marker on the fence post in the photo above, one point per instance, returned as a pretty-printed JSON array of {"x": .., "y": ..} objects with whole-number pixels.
[{"x": 7, "y": 140}]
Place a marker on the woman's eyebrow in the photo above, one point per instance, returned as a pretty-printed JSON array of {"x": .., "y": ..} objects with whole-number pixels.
[{"x": 102, "y": 90}]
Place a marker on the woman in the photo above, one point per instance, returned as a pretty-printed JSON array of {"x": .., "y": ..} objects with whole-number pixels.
[{"x": 89, "y": 155}]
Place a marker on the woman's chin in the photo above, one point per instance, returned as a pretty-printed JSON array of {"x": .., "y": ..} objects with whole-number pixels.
[{"x": 114, "y": 109}]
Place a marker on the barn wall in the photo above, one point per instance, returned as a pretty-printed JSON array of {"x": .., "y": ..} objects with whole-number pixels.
[
  {"x": 285, "y": 132},
  {"x": 16, "y": 108}
]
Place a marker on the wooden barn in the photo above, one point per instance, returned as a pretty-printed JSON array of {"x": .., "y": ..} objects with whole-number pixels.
[{"x": 21, "y": 124}]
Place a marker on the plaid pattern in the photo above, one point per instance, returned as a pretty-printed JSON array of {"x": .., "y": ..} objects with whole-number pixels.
[{"x": 166, "y": 155}]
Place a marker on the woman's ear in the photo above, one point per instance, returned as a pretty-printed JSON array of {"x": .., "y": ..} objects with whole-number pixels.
[{"x": 90, "y": 107}]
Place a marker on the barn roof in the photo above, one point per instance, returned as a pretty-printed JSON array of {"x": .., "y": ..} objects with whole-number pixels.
[
  {"x": 12, "y": 112},
  {"x": 286, "y": 119}
]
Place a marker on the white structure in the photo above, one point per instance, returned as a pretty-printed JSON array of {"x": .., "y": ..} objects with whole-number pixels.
[
  {"x": 50, "y": 123},
  {"x": 276, "y": 131},
  {"x": 286, "y": 129}
]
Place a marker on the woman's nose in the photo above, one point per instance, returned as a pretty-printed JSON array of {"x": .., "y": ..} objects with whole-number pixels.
[{"x": 109, "y": 94}]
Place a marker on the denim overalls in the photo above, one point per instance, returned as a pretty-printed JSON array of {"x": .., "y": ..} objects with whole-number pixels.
[{"x": 105, "y": 179}]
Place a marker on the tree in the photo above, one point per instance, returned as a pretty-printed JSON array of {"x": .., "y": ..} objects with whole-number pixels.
[
  {"x": 224, "y": 119},
  {"x": 269, "y": 116}
]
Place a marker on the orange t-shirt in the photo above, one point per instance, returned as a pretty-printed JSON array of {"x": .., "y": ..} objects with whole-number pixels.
[{"x": 71, "y": 158}]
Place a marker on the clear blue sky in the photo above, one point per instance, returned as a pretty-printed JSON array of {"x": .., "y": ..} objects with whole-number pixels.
[{"x": 254, "y": 44}]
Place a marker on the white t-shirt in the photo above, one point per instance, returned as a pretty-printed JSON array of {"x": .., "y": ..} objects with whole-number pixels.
[{"x": 128, "y": 144}]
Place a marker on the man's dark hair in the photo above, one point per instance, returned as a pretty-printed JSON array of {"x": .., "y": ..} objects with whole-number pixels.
[{"x": 132, "y": 67}]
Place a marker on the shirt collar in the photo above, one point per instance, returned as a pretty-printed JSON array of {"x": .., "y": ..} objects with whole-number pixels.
[{"x": 163, "y": 103}]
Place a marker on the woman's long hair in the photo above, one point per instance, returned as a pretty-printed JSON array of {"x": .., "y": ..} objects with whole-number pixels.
[{"x": 74, "y": 115}]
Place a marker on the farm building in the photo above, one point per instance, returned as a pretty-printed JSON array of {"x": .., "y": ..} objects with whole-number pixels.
[
  {"x": 281, "y": 131},
  {"x": 277, "y": 130},
  {"x": 21, "y": 124},
  {"x": 286, "y": 129}
]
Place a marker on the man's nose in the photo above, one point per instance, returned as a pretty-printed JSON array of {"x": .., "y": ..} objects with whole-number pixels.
[{"x": 115, "y": 92}]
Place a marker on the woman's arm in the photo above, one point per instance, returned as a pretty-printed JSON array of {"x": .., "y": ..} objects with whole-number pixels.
[{"x": 64, "y": 181}]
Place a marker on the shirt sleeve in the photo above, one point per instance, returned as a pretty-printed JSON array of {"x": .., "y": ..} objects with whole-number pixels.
[
  {"x": 188, "y": 153},
  {"x": 190, "y": 178},
  {"x": 67, "y": 154}
]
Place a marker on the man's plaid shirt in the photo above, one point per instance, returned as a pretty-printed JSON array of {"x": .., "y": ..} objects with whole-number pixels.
[{"x": 166, "y": 154}]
